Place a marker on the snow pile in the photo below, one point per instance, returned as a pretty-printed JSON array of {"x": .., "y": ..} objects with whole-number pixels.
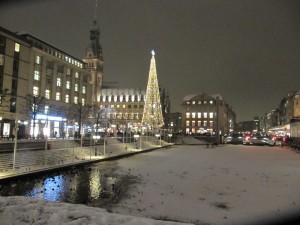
[{"x": 19, "y": 210}]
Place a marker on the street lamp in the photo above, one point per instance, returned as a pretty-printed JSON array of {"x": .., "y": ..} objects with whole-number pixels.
[{"x": 170, "y": 137}]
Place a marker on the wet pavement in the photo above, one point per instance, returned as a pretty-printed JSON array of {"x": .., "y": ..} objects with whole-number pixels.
[{"x": 95, "y": 185}]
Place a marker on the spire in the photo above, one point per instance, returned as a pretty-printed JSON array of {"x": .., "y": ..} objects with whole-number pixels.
[
  {"x": 152, "y": 115},
  {"x": 96, "y": 8},
  {"x": 94, "y": 45}
]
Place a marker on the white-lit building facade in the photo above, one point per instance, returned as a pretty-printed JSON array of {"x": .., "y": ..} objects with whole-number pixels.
[
  {"x": 206, "y": 114},
  {"x": 35, "y": 71}
]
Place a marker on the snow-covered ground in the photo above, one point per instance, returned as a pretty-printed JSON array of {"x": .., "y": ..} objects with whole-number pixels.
[
  {"x": 221, "y": 185},
  {"x": 192, "y": 184}
]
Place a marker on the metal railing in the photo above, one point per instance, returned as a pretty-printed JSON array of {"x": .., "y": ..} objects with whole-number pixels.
[{"x": 60, "y": 153}]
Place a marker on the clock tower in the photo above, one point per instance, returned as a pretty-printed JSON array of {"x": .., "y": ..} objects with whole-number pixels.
[{"x": 94, "y": 60}]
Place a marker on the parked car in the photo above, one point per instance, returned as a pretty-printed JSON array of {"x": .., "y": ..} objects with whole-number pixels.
[
  {"x": 260, "y": 139},
  {"x": 234, "y": 139}
]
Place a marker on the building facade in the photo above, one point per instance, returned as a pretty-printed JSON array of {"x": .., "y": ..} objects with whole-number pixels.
[
  {"x": 14, "y": 80},
  {"x": 174, "y": 123},
  {"x": 206, "y": 114},
  {"x": 45, "y": 84},
  {"x": 123, "y": 108},
  {"x": 278, "y": 121}
]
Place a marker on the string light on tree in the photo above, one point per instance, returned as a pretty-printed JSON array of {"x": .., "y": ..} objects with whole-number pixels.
[{"x": 152, "y": 115}]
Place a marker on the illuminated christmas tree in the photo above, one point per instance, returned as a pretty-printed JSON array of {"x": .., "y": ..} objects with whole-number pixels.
[{"x": 152, "y": 115}]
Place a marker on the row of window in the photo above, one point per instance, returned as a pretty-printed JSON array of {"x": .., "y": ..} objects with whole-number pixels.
[
  {"x": 122, "y": 98},
  {"x": 58, "y": 54},
  {"x": 200, "y": 123},
  {"x": 125, "y": 116},
  {"x": 201, "y": 102},
  {"x": 122, "y": 106},
  {"x": 199, "y": 115},
  {"x": 59, "y": 82},
  {"x": 58, "y": 97}
]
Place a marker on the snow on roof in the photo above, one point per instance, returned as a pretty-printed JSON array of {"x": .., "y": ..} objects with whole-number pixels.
[{"x": 191, "y": 96}]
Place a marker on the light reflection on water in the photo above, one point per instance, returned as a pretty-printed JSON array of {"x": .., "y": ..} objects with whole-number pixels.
[
  {"x": 51, "y": 189},
  {"x": 76, "y": 185}
]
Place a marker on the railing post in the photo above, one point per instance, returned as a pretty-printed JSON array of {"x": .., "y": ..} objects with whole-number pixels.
[
  {"x": 73, "y": 155},
  {"x": 104, "y": 145}
]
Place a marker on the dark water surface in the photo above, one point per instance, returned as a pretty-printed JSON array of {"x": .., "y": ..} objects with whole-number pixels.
[{"x": 94, "y": 184}]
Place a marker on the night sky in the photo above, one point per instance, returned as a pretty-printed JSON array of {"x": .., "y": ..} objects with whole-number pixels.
[{"x": 247, "y": 51}]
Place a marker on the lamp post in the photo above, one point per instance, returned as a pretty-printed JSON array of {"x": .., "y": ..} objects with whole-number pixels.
[
  {"x": 158, "y": 136},
  {"x": 170, "y": 137},
  {"x": 15, "y": 141},
  {"x": 136, "y": 136}
]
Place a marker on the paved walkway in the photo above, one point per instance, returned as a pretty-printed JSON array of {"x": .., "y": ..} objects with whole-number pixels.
[{"x": 35, "y": 161}]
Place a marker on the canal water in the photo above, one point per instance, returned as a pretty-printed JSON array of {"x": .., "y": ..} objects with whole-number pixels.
[{"x": 96, "y": 185}]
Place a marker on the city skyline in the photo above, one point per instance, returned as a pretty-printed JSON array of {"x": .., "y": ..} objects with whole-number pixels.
[{"x": 247, "y": 51}]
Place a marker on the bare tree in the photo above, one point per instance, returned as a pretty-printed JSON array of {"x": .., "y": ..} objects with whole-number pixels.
[
  {"x": 81, "y": 112},
  {"x": 34, "y": 105},
  {"x": 3, "y": 94},
  {"x": 101, "y": 116}
]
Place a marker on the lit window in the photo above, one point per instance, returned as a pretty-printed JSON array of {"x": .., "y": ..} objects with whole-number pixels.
[
  {"x": 120, "y": 116},
  {"x": 76, "y": 100},
  {"x": 46, "y": 110},
  {"x": 205, "y": 115},
  {"x": 199, "y": 123},
  {"x": 58, "y": 82},
  {"x": 68, "y": 71},
  {"x": 211, "y": 123},
  {"x": 37, "y": 59},
  {"x": 83, "y": 101},
  {"x": 211, "y": 102},
  {"x": 47, "y": 94},
  {"x": 68, "y": 84},
  {"x": 76, "y": 75},
  {"x": 57, "y": 97},
  {"x": 188, "y": 103},
  {"x": 199, "y": 102},
  {"x": 1, "y": 60},
  {"x": 193, "y": 115},
  {"x": 205, "y": 102},
  {"x": 187, "y": 123},
  {"x": 187, "y": 115},
  {"x": 67, "y": 99},
  {"x": 83, "y": 89},
  {"x": 37, "y": 75},
  {"x": 76, "y": 87},
  {"x": 193, "y": 123},
  {"x": 124, "y": 106},
  {"x": 118, "y": 106},
  {"x": 211, "y": 115},
  {"x": 35, "y": 91},
  {"x": 17, "y": 47},
  {"x": 112, "y": 106},
  {"x": 204, "y": 123},
  {"x": 193, "y": 102},
  {"x": 199, "y": 115}
]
